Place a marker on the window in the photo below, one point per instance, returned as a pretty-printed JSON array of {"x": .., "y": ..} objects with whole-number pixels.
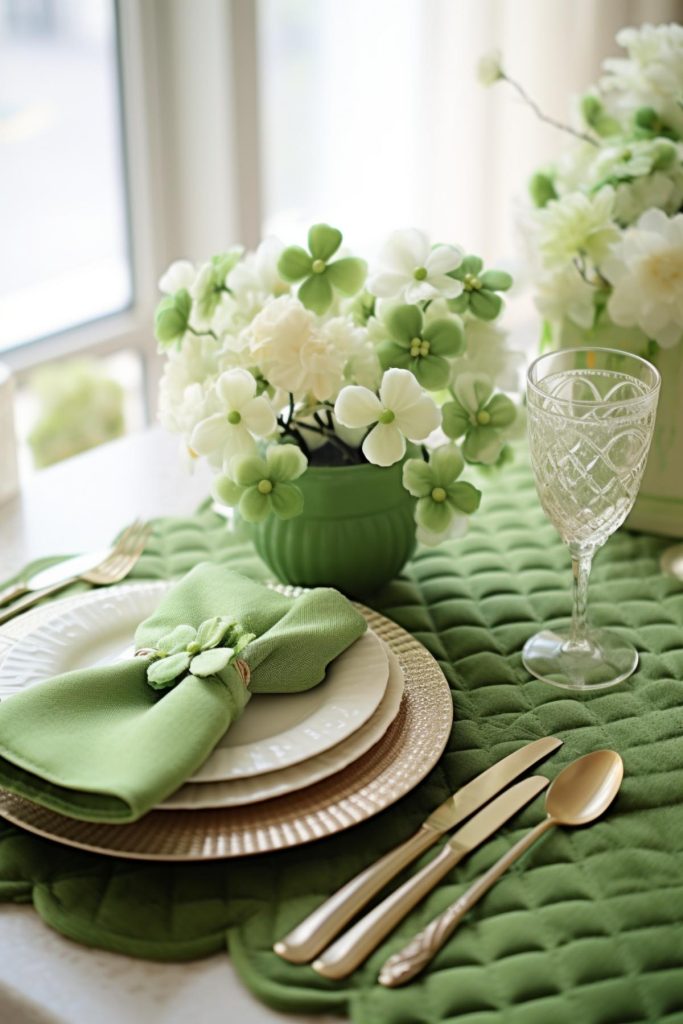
[{"x": 64, "y": 259}]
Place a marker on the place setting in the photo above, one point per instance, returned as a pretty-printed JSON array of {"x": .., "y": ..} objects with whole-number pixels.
[{"x": 295, "y": 765}]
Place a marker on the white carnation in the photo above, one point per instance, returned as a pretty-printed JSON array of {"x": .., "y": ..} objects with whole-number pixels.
[
  {"x": 290, "y": 349},
  {"x": 646, "y": 273}
]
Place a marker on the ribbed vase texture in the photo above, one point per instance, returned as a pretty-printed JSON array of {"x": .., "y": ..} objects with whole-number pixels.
[{"x": 356, "y": 532}]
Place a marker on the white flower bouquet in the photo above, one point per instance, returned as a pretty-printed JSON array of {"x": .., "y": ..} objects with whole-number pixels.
[
  {"x": 285, "y": 357},
  {"x": 607, "y": 232}
]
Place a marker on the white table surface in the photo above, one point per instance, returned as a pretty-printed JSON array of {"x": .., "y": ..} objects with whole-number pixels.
[{"x": 44, "y": 978}]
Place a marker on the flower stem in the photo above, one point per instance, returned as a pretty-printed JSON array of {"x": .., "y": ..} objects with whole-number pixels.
[
  {"x": 545, "y": 117},
  {"x": 201, "y": 334}
]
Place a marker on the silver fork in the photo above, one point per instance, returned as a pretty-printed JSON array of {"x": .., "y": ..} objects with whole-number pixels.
[{"x": 111, "y": 569}]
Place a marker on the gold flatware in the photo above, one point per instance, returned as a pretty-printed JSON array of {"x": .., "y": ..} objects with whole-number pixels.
[
  {"x": 580, "y": 794},
  {"x": 356, "y": 945},
  {"x": 112, "y": 568},
  {"x": 316, "y": 932}
]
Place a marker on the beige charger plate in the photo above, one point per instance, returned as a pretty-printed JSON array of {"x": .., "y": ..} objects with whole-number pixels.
[{"x": 396, "y": 764}]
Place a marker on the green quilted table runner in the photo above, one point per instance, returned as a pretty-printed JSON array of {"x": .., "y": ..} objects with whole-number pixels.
[{"x": 587, "y": 928}]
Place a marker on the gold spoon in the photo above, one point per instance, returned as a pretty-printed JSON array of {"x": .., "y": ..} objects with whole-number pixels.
[{"x": 580, "y": 794}]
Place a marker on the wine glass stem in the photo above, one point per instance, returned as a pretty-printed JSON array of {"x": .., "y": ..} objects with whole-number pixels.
[{"x": 581, "y": 568}]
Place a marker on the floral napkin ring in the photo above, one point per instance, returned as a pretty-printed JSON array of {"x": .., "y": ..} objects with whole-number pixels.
[{"x": 199, "y": 652}]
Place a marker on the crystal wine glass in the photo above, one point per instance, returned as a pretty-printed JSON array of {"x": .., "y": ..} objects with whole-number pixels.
[{"x": 591, "y": 413}]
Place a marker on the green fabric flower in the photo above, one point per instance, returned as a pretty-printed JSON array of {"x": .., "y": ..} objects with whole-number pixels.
[
  {"x": 479, "y": 289},
  {"x": 479, "y": 415},
  {"x": 261, "y": 486},
  {"x": 197, "y": 652},
  {"x": 441, "y": 497},
  {"x": 171, "y": 317},
  {"x": 211, "y": 284},
  {"x": 320, "y": 277},
  {"x": 422, "y": 350}
]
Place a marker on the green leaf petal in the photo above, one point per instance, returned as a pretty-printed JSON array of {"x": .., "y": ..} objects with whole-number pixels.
[
  {"x": 254, "y": 506},
  {"x": 464, "y": 497},
  {"x": 177, "y": 640},
  {"x": 285, "y": 462},
  {"x": 469, "y": 265},
  {"x": 209, "y": 663},
  {"x": 211, "y": 632},
  {"x": 323, "y": 241},
  {"x": 472, "y": 390},
  {"x": 432, "y": 372},
  {"x": 496, "y": 280},
  {"x": 542, "y": 189},
  {"x": 243, "y": 641},
  {"x": 454, "y": 419},
  {"x": 405, "y": 323},
  {"x": 445, "y": 337},
  {"x": 502, "y": 411},
  {"x": 433, "y": 515},
  {"x": 163, "y": 673},
  {"x": 226, "y": 491},
  {"x": 447, "y": 464},
  {"x": 485, "y": 304},
  {"x": 287, "y": 501},
  {"x": 316, "y": 293},
  {"x": 348, "y": 275},
  {"x": 417, "y": 478},
  {"x": 171, "y": 317},
  {"x": 461, "y": 304},
  {"x": 482, "y": 444},
  {"x": 248, "y": 470},
  {"x": 393, "y": 353},
  {"x": 294, "y": 263}
]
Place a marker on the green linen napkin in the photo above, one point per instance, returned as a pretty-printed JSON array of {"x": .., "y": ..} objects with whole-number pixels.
[{"x": 102, "y": 744}]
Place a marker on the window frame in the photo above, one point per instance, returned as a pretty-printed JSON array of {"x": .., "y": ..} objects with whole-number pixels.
[{"x": 175, "y": 209}]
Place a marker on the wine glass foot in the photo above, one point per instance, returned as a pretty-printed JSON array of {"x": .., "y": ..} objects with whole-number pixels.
[{"x": 603, "y": 660}]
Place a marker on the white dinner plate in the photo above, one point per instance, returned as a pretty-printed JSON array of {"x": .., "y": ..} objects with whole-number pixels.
[
  {"x": 272, "y": 784},
  {"x": 275, "y": 730}
]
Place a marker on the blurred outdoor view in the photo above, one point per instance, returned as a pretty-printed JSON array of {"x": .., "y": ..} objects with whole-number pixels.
[{"x": 64, "y": 259}]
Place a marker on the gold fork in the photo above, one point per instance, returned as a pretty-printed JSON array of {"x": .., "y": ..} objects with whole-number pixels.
[{"x": 111, "y": 569}]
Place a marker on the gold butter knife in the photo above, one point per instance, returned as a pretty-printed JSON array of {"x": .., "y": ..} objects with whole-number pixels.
[
  {"x": 316, "y": 932},
  {"x": 356, "y": 945}
]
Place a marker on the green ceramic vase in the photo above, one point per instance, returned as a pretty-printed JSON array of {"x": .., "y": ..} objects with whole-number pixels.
[{"x": 356, "y": 532}]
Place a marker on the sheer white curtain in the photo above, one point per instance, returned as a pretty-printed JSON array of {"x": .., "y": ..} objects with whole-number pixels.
[{"x": 372, "y": 116}]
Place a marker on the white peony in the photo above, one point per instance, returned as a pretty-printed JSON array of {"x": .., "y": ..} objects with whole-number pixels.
[
  {"x": 487, "y": 352},
  {"x": 403, "y": 410},
  {"x": 361, "y": 365},
  {"x": 255, "y": 279},
  {"x": 240, "y": 418},
  {"x": 181, "y": 274},
  {"x": 409, "y": 268},
  {"x": 576, "y": 225},
  {"x": 565, "y": 293},
  {"x": 192, "y": 366},
  {"x": 645, "y": 270},
  {"x": 651, "y": 75},
  {"x": 292, "y": 352}
]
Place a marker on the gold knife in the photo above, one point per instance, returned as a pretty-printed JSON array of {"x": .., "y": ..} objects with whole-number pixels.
[
  {"x": 356, "y": 945},
  {"x": 317, "y": 931}
]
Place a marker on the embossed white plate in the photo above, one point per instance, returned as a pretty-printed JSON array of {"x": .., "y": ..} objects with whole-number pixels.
[
  {"x": 275, "y": 731},
  {"x": 288, "y": 780}
]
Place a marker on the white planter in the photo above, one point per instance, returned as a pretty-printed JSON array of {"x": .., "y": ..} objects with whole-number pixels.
[{"x": 659, "y": 505}]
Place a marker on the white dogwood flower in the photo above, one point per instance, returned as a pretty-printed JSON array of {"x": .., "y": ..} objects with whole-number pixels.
[
  {"x": 242, "y": 417},
  {"x": 645, "y": 270},
  {"x": 402, "y": 410},
  {"x": 411, "y": 269}
]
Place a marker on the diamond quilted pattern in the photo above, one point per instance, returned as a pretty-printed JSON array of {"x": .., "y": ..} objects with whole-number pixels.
[{"x": 587, "y": 927}]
